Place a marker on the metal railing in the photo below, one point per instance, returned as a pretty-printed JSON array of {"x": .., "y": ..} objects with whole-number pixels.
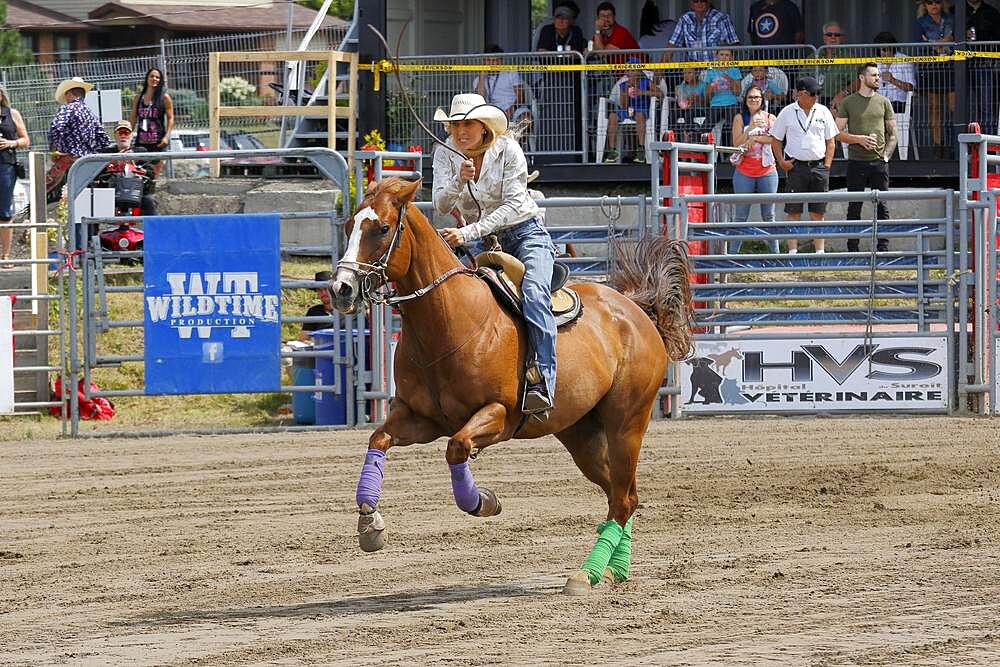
[
  {"x": 562, "y": 105},
  {"x": 694, "y": 100},
  {"x": 88, "y": 291},
  {"x": 46, "y": 299},
  {"x": 907, "y": 291},
  {"x": 547, "y": 102},
  {"x": 979, "y": 187},
  {"x": 927, "y": 116}
]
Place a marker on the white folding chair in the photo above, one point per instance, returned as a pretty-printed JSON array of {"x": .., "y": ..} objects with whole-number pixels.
[
  {"x": 905, "y": 129},
  {"x": 602, "y": 128},
  {"x": 664, "y": 125},
  {"x": 609, "y": 102}
]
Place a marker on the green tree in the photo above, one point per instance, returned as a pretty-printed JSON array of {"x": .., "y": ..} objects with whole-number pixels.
[
  {"x": 11, "y": 51},
  {"x": 539, "y": 12},
  {"x": 341, "y": 8}
]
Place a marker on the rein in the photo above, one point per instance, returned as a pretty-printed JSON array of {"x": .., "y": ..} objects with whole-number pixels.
[{"x": 372, "y": 278}]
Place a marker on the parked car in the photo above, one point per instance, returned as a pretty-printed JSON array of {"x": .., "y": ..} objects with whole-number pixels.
[{"x": 198, "y": 139}]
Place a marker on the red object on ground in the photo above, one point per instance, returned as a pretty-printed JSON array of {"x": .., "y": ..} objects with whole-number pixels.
[{"x": 98, "y": 408}]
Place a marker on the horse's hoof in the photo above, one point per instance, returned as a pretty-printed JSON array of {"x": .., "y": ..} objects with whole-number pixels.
[
  {"x": 578, "y": 584},
  {"x": 489, "y": 504},
  {"x": 371, "y": 532}
]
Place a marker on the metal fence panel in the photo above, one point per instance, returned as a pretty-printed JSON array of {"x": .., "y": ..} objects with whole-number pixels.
[{"x": 87, "y": 290}]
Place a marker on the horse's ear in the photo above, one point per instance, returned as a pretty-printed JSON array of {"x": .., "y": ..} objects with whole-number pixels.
[{"x": 406, "y": 191}]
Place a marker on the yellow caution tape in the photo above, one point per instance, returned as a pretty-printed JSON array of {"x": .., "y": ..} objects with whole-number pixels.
[
  {"x": 979, "y": 54},
  {"x": 386, "y": 66}
]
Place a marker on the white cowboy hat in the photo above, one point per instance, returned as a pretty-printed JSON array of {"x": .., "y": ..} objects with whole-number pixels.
[
  {"x": 70, "y": 84},
  {"x": 470, "y": 106}
]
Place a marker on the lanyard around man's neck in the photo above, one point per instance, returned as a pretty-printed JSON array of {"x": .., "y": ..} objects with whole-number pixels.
[{"x": 812, "y": 112}]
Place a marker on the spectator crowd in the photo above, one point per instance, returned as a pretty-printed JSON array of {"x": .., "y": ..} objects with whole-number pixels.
[
  {"x": 699, "y": 99},
  {"x": 788, "y": 117}
]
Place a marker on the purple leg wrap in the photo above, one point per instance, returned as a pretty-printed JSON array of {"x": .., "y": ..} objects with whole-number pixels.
[
  {"x": 464, "y": 487},
  {"x": 370, "y": 482}
]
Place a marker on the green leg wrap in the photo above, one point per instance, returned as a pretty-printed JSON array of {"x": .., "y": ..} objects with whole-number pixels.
[
  {"x": 621, "y": 558},
  {"x": 609, "y": 535}
]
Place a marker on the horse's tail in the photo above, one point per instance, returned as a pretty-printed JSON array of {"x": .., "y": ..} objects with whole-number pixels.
[{"x": 654, "y": 273}]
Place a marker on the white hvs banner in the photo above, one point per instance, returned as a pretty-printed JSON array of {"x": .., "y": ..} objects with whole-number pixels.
[
  {"x": 6, "y": 355},
  {"x": 816, "y": 375}
]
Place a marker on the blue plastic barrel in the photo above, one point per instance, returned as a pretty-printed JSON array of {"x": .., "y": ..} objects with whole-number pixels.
[
  {"x": 303, "y": 406},
  {"x": 331, "y": 407}
]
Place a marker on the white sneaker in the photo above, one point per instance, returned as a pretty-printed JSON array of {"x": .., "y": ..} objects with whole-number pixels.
[{"x": 793, "y": 251}]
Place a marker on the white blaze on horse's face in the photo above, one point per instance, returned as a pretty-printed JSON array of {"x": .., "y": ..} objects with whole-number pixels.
[{"x": 345, "y": 284}]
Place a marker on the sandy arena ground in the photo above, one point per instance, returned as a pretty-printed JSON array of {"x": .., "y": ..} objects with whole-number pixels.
[{"x": 790, "y": 541}]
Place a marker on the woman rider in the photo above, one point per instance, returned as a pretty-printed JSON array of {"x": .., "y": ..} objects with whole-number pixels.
[{"x": 487, "y": 184}]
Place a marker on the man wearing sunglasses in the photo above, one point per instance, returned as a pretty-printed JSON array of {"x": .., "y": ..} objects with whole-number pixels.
[
  {"x": 838, "y": 81},
  {"x": 807, "y": 129}
]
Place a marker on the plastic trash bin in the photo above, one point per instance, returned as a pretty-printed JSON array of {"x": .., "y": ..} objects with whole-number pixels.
[
  {"x": 331, "y": 407},
  {"x": 303, "y": 406}
]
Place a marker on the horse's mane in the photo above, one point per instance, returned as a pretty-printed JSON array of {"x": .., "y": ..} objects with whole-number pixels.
[
  {"x": 388, "y": 191},
  {"x": 654, "y": 273}
]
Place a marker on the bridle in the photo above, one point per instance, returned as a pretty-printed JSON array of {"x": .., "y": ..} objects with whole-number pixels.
[{"x": 373, "y": 278}]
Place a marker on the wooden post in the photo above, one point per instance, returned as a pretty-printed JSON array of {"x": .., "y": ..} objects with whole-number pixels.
[
  {"x": 40, "y": 271},
  {"x": 331, "y": 101},
  {"x": 36, "y": 201},
  {"x": 352, "y": 119},
  {"x": 214, "y": 126}
]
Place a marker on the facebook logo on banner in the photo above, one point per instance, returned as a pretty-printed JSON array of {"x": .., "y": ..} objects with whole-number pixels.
[{"x": 212, "y": 304}]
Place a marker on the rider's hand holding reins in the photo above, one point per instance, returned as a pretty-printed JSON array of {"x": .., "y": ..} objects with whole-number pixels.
[
  {"x": 467, "y": 171},
  {"x": 453, "y": 236}
]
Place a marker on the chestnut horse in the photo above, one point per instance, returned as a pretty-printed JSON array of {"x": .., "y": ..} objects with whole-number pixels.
[{"x": 459, "y": 365}]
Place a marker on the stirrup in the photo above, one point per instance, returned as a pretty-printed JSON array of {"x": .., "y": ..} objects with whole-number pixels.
[{"x": 536, "y": 401}]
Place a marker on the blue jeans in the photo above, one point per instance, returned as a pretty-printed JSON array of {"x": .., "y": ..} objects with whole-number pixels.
[
  {"x": 530, "y": 242},
  {"x": 8, "y": 178},
  {"x": 743, "y": 184}
]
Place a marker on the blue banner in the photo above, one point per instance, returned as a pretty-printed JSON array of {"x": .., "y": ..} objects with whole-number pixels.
[{"x": 212, "y": 304}]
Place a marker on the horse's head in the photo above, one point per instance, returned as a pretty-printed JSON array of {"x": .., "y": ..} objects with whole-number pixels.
[{"x": 376, "y": 252}]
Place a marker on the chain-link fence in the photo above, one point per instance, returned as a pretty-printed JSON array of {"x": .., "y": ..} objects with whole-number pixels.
[{"x": 185, "y": 64}]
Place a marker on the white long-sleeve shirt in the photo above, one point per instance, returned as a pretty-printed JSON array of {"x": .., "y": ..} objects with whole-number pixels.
[{"x": 502, "y": 189}]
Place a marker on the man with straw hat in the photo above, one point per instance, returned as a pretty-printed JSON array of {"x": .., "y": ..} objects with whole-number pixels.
[
  {"x": 481, "y": 173},
  {"x": 75, "y": 130}
]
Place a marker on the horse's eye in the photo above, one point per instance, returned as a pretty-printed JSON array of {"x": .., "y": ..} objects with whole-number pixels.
[{"x": 384, "y": 230}]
